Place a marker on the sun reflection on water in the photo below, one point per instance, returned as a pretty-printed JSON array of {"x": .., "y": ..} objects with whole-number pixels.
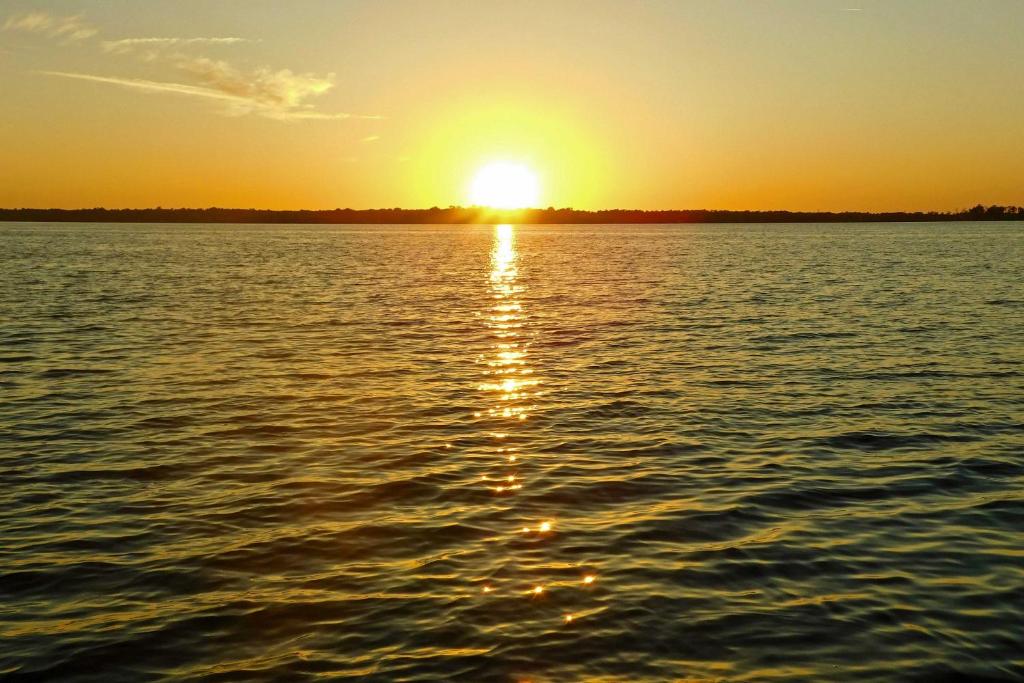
[
  {"x": 506, "y": 378},
  {"x": 508, "y": 390}
]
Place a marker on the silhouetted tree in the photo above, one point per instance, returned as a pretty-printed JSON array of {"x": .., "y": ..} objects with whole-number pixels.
[{"x": 476, "y": 214}]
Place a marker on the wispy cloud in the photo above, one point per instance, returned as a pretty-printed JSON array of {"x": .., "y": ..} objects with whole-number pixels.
[
  {"x": 282, "y": 90},
  {"x": 67, "y": 29},
  {"x": 280, "y": 94},
  {"x": 238, "y": 103},
  {"x": 128, "y": 45},
  {"x": 371, "y": 138}
]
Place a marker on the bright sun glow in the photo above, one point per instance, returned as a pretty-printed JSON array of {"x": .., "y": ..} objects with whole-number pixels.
[{"x": 504, "y": 185}]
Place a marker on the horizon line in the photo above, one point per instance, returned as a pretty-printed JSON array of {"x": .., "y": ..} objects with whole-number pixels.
[{"x": 525, "y": 209}]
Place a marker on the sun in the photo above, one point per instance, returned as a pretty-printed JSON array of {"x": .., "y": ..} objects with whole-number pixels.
[{"x": 504, "y": 185}]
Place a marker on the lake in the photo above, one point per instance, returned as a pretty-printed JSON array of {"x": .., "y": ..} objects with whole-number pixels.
[{"x": 512, "y": 453}]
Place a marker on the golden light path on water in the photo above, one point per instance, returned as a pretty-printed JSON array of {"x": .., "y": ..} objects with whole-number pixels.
[{"x": 510, "y": 390}]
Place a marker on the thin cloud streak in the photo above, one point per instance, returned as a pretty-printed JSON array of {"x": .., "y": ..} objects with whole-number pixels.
[
  {"x": 127, "y": 45},
  {"x": 238, "y": 104},
  {"x": 151, "y": 86}
]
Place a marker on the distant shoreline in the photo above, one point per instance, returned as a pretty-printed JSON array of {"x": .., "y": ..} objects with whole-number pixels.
[{"x": 478, "y": 215}]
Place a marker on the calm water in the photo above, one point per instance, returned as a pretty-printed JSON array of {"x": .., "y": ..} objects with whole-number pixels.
[{"x": 750, "y": 453}]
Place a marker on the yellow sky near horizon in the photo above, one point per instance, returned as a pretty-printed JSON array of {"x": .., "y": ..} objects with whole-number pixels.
[{"x": 800, "y": 104}]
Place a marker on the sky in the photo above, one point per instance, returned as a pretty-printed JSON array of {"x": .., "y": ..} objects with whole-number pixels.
[{"x": 677, "y": 104}]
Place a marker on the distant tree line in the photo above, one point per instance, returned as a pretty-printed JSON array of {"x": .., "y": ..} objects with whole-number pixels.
[{"x": 475, "y": 214}]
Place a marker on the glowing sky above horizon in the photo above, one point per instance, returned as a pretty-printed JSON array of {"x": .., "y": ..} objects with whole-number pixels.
[{"x": 799, "y": 104}]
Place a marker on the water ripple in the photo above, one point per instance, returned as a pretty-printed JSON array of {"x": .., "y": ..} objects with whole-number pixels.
[{"x": 509, "y": 453}]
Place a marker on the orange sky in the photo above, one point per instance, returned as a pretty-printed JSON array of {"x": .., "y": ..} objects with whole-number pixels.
[{"x": 801, "y": 104}]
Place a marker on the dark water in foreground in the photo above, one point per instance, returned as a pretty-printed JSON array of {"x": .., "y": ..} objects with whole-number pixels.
[{"x": 751, "y": 453}]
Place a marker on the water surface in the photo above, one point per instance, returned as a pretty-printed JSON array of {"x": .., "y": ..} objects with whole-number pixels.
[{"x": 509, "y": 453}]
